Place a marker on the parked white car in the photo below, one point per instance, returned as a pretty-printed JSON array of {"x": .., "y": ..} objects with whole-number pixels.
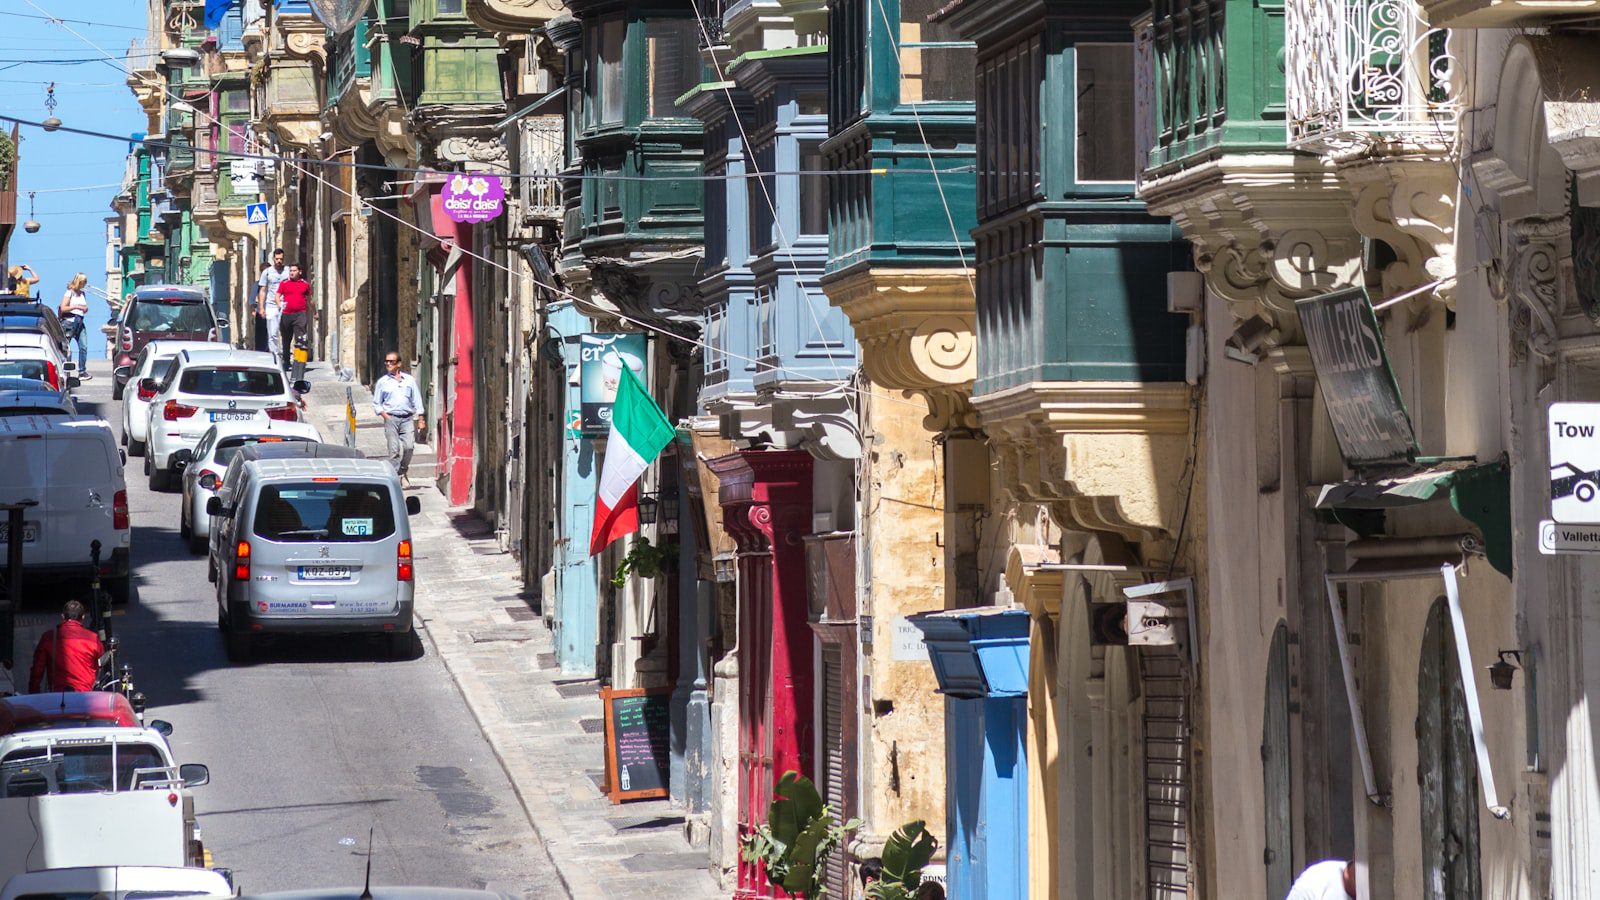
[
  {"x": 204, "y": 469},
  {"x": 204, "y": 387},
  {"x": 118, "y": 883},
  {"x": 34, "y": 356},
  {"x": 70, "y": 470},
  {"x": 152, "y": 362}
]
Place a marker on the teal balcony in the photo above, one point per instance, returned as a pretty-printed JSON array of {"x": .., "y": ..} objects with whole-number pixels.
[{"x": 349, "y": 61}]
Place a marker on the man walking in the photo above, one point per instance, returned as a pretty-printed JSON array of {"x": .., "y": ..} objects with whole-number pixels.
[
  {"x": 396, "y": 399},
  {"x": 269, "y": 309},
  {"x": 69, "y": 653},
  {"x": 295, "y": 294}
]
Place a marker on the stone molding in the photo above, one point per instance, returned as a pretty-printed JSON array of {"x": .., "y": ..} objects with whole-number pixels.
[
  {"x": 462, "y": 134},
  {"x": 303, "y": 36},
  {"x": 1039, "y": 591},
  {"x": 754, "y": 490},
  {"x": 1101, "y": 456},
  {"x": 1535, "y": 285},
  {"x": 918, "y": 333},
  {"x": 659, "y": 288},
  {"x": 513, "y": 16},
  {"x": 1405, "y": 196},
  {"x": 351, "y": 119},
  {"x": 1267, "y": 229}
]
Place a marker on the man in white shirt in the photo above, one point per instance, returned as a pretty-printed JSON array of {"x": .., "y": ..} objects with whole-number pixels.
[
  {"x": 269, "y": 308},
  {"x": 1331, "y": 879},
  {"x": 398, "y": 401}
]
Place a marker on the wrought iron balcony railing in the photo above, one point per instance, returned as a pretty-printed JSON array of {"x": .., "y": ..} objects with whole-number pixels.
[
  {"x": 543, "y": 140},
  {"x": 1367, "y": 70}
]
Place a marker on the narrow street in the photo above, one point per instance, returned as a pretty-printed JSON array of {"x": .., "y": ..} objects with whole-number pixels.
[{"x": 317, "y": 741}]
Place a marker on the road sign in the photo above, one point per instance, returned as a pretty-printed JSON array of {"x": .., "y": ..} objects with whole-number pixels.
[
  {"x": 1555, "y": 538},
  {"x": 1574, "y": 430},
  {"x": 256, "y": 214}
]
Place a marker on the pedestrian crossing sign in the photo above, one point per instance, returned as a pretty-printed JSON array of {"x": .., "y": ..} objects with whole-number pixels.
[{"x": 256, "y": 214}]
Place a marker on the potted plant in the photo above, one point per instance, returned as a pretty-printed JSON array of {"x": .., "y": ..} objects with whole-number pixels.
[{"x": 800, "y": 833}]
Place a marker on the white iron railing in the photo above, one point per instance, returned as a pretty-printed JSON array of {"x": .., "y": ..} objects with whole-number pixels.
[
  {"x": 141, "y": 56},
  {"x": 1367, "y": 70},
  {"x": 543, "y": 142}
]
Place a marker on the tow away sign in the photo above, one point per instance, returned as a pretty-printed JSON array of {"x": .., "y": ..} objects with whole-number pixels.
[{"x": 1574, "y": 430}]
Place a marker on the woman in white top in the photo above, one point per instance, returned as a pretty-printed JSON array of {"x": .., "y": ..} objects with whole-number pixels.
[{"x": 74, "y": 312}]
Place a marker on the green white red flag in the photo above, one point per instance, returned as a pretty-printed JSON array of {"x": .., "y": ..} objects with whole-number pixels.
[{"x": 639, "y": 432}]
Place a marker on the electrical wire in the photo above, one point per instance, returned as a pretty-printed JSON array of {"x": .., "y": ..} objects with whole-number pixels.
[{"x": 57, "y": 19}]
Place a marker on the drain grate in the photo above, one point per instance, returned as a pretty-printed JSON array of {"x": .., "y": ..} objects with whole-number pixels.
[
  {"x": 520, "y": 613},
  {"x": 592, "y": 726},
  {"x": 546, "y": 660},
  {"x": 585, "y": 688}
]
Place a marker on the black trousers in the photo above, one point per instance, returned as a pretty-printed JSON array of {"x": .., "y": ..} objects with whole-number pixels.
[{"x": 292, "y": 326}]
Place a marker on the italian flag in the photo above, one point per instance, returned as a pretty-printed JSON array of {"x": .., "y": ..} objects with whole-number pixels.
[{"x": 639, "y": 432}]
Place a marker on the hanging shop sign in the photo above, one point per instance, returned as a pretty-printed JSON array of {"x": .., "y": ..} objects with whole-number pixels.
[
  {"x": 1574, "y": 463},
  {"x": 600, "y": 363},
  {"x": 1358, "y": 386},
  {"x": 470, "y": 198}
]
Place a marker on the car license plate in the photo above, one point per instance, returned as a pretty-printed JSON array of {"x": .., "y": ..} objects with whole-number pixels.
[
  {"x": 30, "y": 532},
  {"x": 324, "y": 573},
  {"x": 232, "y": 416}
]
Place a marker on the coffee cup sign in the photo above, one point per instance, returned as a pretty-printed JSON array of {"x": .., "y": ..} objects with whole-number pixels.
[
  {"x": 469, "y": 198},
  {"x": 602, "y": 358}
]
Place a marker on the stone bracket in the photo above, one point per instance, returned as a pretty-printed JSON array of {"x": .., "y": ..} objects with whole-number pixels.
[{"x": 1406, "y": 197}]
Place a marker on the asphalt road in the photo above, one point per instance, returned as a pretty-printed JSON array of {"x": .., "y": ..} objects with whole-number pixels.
[{"x": 318, "y": 740}]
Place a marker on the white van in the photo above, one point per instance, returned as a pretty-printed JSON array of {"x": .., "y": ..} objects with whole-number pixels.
[{"x": 69, "y": 471}]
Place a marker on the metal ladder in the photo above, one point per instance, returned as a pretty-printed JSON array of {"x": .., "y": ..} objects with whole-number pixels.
[{"x": 1166, "y": 773}]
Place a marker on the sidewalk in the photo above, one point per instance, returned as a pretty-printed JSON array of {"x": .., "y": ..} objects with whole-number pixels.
[{"x": 485, "y": 626}]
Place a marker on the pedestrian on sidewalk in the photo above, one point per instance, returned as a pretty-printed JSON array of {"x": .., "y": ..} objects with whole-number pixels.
[
  {"x": 74, "y": 312},
  {"x": 69, "y": 653},
  {"x": 398, "y": 401},
  {"x": 269, "y": 307},
  {"x": 294, "y": 293}
]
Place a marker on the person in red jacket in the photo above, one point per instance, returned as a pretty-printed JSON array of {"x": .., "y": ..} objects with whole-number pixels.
[{"x": 70, "y": 652}]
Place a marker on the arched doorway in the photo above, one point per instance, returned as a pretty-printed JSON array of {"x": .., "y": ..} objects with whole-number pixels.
[
  {"x": 1276, "y": 776},
  {"x": 1446, "y": 769}
]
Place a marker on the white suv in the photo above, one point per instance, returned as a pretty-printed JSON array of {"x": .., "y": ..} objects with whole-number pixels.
[
  {"x": 203, "y": 387},
  {"x": 152, "y": 362}
]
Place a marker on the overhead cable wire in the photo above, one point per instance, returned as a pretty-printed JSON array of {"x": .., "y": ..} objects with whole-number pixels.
[{"x": 57, "y": 19}]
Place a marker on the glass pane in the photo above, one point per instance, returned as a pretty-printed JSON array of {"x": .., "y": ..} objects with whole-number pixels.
[
  {"x": 449, "y": 7},
  {"x": 611, "y": 93},
  {"x": 933, "y": 74},
  {"x": 674, "y": 58},
  {"x": 813, "y": 191},
  {"x": 1105, "y": 112}
]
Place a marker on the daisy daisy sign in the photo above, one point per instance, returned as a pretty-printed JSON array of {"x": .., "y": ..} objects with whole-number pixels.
[{"x": 470, "y": 198}]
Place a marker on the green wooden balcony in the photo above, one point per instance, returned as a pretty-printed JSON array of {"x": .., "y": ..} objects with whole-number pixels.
[{"x": 349, "y": 61}]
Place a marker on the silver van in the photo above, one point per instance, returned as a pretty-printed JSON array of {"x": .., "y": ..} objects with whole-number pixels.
[{"x": 311, "y": 538}]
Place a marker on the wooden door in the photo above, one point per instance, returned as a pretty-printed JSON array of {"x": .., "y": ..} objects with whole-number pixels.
[
  {"x": 755, "y": 708},
  {"x": 1278, "y": 855},
  {"x": 1446, "y": 769}
]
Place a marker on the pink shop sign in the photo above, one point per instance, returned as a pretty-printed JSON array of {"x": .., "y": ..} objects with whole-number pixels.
[{"x": 473, "y": 198}]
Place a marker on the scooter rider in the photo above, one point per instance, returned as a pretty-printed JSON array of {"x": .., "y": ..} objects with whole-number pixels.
[{"x": 70, "y": 652}]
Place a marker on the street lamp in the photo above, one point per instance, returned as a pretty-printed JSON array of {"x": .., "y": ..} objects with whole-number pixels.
[
  {"x": 31, "y": 226},
  {"x": 50, "y": 123},
  {"x": 1500, "y": 673}
]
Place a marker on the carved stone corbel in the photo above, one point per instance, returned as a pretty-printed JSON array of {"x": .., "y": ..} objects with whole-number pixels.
[
  {"x": 513, "y": 16},
  {"x": 1407, "y": 199},
  {"x": 303, "y": 36},
  {"x": 1038, "y": 590},
  {"x": 1538, "y": 249}
]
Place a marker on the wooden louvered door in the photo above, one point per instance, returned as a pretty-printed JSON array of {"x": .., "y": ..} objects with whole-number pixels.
[{"x": 838, "y": 769}]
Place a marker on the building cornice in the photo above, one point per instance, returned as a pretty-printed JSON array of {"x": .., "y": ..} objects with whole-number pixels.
[{"x": 513, "y": 16}]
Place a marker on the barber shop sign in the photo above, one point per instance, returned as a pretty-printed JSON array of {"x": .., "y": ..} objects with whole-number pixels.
[{"x": 470, "y": 198}]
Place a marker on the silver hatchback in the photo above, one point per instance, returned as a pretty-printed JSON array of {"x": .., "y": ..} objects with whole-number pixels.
[{"x": 310, "y": 538}]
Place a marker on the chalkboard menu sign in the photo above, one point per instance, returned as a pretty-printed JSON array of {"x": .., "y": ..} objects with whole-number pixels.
[{"x": 636, "y": 743}]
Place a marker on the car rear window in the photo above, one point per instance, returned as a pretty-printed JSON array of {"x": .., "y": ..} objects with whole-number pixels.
[
  {"x": 184, "y": 316},
  {"x": 76, "y": 769},
  {"x": 19, "y": 410},
  {"x": 325, "y": 511},
  {"x": 229, "y": 447},
  {"x": 231, "y": 382},
  {"x": 23, "y": 368}
]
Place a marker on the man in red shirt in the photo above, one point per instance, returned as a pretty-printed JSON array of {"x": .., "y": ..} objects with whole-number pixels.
[
  {"x": 294, "y": 293},
  {"x": 70, "y": 653}
]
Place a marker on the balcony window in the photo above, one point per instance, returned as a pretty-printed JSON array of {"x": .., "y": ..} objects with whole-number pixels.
[
  {"x": 605, "y": 72},
  {"x": 448, "y": 7},
  {"x": 935, "y": 65},
  {"x": 1104, "y": 112},
  {"x": 766, "y": 330},
  {"x": 813, "y": 190},
  {"x": 847, "y": 60},
  {"x": 1008, "y": 127},
  {"x": 674, "y": 63},
  {"x": 717, "y": 339},
  {"x": 759, "y": 196}
]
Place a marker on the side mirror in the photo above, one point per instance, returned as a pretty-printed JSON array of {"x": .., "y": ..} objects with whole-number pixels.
[
  {"x": 413, "y": 505},
  {"x": 209, "y": 481},
  {"x": 161, "y": 727},
  {"x": 221, "y": 324},
  {"x": 73, "y": 382},
  {"x": 121, "y": 374},
  {"x": 214, "y": 507},
  {"x": 194, "y": 774},
  {"x": 182, "y": 458},
  {"x": 147, "y": 384},
  {"x": 124, "y": 455},
  {"x": 301, "y": 387}
]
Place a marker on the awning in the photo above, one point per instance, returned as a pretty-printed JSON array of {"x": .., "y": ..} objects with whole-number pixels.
[{"x": 1479, "y": 492}]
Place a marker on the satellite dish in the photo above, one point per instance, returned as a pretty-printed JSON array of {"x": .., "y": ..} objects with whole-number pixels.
[{"x": 339, "y": 15}]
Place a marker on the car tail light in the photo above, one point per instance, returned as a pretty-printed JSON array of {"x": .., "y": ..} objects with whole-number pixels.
[
  {"x": 284, "y": 412},
  {"x": 241, "y": 563},
  {"x": 127, "y": 338},
  {"x": 174, "y": 411},
  {"x": 403, "y": 562},
  {"x": 119, "y": 510},
  {"x": 208, "y": 479},
  {"x": 52, "y": 375},
  {"x": 147, "y": 393}
]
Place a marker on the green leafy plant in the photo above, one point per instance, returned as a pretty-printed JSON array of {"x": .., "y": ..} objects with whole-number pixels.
[
  {"x": 904, "y": 856},
  {"x": 645, "y": 560},
  {"x": 800, "y": 833},
  {"x": 8, "y": 160}
]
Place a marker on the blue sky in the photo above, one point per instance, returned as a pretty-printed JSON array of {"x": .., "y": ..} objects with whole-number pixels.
[{"x": 91, "y": 95}]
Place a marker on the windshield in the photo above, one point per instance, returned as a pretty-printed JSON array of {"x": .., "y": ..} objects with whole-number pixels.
[
  {"x": 81, "y": 769},
  {"x": 325, "y": 512},
  {"x": 230, "y": 446},
  {"x": 23, "y": 368},
  {"x": 186, "y": 317},
  {"x": 232, "y": 382}
]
